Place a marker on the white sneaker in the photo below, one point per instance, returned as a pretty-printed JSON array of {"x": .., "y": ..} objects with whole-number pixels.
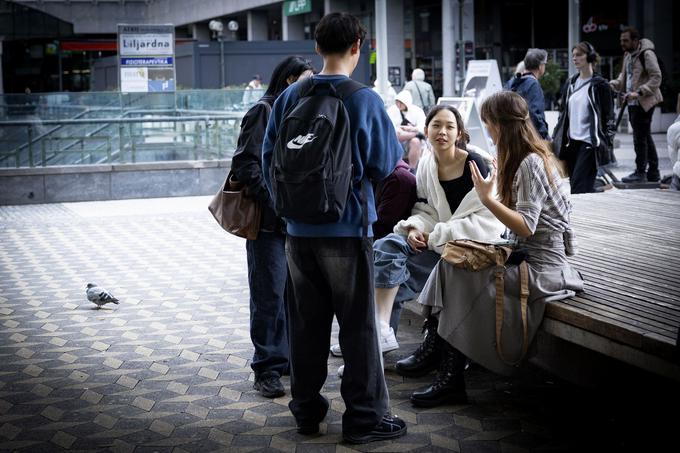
[
  {"x": 341, "y": 371},
  {"x": 335, "y": 350},
  {"x": 388, "y": 342}
]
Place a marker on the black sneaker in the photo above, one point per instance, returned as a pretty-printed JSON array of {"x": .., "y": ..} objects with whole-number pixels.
[
  {"x": 269, "y": 385},
  {"x": 390, "y": 427},
  {"x": 635, "y": 177},
  {"x": 653, "y": 176}
]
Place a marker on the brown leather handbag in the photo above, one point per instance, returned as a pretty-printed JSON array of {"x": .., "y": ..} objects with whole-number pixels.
[
  {"x": 476, "y": 256},
  {"x": 235, "y": 211}
]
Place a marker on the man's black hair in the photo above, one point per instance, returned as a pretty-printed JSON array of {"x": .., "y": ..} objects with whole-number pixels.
[
  {"x": 290, "y": 66},
  {"x": 336, "y": 32}
]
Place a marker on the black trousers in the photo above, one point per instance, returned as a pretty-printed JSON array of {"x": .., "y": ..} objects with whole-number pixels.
[
  {"x": 582, "y": 165},
  {"x": 646, "y": 158},
  {"x": 334, "y": 276}
]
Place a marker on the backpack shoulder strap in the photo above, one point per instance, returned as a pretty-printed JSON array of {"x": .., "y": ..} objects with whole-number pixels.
[
  {"x": 420, "y": 95},
  {"x": 641, "y": 57},
  {"x": 305, "y": 86},
  {"x": 348, "y": 87}
]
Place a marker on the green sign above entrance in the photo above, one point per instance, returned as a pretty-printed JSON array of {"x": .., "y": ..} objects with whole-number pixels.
[{"x": 294, "y": 7}]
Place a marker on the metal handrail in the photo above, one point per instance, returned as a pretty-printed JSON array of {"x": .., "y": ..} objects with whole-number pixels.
[
  {"x": 105, "y": 123},
  {"x": 157, "y": 119}
]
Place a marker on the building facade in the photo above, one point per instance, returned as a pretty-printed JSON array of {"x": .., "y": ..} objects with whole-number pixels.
[{"x": 53, "y": 45}]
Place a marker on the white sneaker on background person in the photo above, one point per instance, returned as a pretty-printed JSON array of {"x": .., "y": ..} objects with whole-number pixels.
[{"x": 388, "y": 341}]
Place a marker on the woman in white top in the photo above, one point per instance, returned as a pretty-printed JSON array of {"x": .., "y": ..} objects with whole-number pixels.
[{"x": 585, "y": 129}]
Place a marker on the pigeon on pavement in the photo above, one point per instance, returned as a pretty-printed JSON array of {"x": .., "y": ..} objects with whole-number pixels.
[{"x": 99, "y": 296}]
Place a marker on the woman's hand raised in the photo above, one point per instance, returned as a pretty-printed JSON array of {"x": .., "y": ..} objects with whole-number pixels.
[{"x": 484, "y": 187}]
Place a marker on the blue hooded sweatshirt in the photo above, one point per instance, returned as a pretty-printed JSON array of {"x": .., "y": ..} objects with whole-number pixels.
[{"x": 375, "y": 153}]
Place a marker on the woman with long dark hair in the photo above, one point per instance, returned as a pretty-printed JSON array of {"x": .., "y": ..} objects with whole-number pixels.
[
  {"x": 533, "y": 203},
  {"x": 267, "y": 268}
]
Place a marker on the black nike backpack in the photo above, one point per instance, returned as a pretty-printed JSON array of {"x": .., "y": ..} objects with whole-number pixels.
[{"x": 311, "y": 168}]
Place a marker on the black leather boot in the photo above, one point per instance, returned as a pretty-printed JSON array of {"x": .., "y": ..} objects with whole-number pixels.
[
  {"x": 449, "y": 385},
  {"x": 427, "y": 357}
]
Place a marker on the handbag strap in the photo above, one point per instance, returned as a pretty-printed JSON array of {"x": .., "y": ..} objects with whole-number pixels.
[
  {"x": 500, "y": 300},
  {"x": 415, "y": 82}
]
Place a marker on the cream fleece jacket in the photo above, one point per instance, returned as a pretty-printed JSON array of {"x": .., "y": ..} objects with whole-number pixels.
[{"x": 472, "y": 220}]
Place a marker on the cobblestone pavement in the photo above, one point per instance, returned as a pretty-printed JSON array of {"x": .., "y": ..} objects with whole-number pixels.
[{"x": 167, "y": 370}]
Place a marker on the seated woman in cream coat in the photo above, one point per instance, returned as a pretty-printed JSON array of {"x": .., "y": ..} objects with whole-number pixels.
[{"x": 447, "y": 208}]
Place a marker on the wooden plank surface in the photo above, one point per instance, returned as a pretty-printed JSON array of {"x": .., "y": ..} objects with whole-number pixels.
[{"x": 629, "y": 256}]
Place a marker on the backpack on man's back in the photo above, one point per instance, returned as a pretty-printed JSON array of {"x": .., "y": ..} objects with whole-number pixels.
[
  {"x": 663, "y": 87},
  {"x": 311, "y": 169}
]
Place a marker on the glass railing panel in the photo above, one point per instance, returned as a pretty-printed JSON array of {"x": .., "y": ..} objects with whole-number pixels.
[{"x": 86, "y": 128}]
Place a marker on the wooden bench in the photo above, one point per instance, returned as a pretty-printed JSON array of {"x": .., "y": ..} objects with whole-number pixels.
[{"x": 629, "y": 256}]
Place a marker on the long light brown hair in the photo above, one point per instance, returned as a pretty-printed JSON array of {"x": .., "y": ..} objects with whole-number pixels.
[{"x": 517, "y": 138}]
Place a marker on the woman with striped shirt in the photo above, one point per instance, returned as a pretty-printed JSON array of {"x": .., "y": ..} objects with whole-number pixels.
[{"x": 533, "y": 203}]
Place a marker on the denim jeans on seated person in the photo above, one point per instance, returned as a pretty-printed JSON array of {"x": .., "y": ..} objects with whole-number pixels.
[
  {"x": 396, "y": 263},
  {"x": 267, "y": 275}
]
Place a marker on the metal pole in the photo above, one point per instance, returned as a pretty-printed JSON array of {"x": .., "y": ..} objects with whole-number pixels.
[
  {"x": 381, "y": 46},
  {"x": 574, "y": 30},
  {"x": 461, "y": 57},
  {"x": 222, "y": 82},
  {"x": 30, "y": 146}
]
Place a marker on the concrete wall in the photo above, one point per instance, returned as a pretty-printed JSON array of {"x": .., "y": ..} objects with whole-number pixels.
[{"x": 111, "y": 182}]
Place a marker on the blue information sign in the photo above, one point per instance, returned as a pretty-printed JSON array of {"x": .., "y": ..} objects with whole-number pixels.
[{"x": 146, "y": 61}]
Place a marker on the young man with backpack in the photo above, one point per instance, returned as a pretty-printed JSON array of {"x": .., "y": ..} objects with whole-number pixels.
[
  {"x": 638, "y": 84},
  {"x": 325, "y": 140}
]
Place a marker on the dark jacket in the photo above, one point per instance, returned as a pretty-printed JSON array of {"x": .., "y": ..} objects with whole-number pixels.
[
  {"x": 394, "y": 199},
  {"x": 247, "y": 160},
  {"x": 602, "y": 123},
  {"x": 527, "y": 86}
]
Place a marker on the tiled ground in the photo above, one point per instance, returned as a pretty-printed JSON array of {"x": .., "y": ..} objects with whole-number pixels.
[{"x": 168, "y": 368}]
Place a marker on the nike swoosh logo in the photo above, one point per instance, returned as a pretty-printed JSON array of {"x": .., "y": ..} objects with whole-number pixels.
[{"x": 300, "y": 141}]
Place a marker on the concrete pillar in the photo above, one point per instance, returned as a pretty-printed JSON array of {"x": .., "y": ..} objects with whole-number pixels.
[
  {"x": 258, "y": 28},
  {"x": 657, "y": 28},
  {"x": 292, "y": 27},
  {"x": 395, "y": 37},
  {"x": 574, "y": 29},
  {"x": 448, "y": 49},
  {"x": 381, "y": 45}
]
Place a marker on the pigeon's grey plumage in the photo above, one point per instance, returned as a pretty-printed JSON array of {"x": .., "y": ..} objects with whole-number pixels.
[{"x": 99, "y": 296}]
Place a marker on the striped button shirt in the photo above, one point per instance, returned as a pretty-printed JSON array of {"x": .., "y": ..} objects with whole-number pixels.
[{"x": 546, "y": 209}]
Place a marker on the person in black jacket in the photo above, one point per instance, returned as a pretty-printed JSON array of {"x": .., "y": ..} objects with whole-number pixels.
[
  {"x": 267, "y": 268},
  {"x": 585, "y": 129}
]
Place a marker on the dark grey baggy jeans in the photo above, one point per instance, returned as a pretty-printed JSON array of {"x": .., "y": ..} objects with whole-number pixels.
[{"x": 334, "y": 276}]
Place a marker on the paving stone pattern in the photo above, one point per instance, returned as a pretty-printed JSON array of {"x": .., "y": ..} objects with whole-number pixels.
[{"x": 168, "y": 370}]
